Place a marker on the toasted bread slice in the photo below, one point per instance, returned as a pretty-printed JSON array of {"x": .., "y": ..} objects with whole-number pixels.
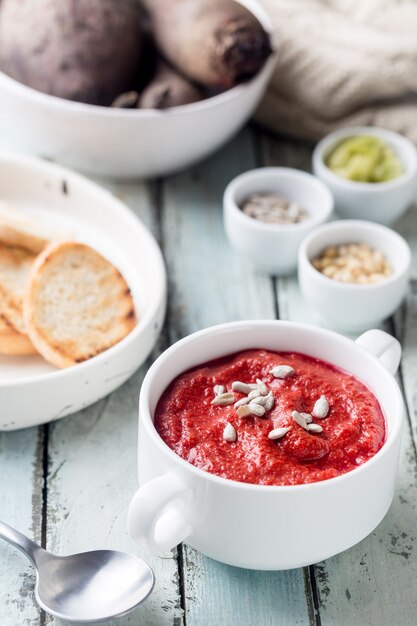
[
  {"x": 76, "y": 304},
  {"x": 15, "y": 266},
  {"x": 13, "y": 343},
  {"x": 18, "y": 228}
]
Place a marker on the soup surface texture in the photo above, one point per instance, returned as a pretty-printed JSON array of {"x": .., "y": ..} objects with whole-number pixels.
[{"x": 353, "y": 429}]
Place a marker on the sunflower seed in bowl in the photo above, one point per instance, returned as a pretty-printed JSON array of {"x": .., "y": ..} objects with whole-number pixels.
[
  {"x": 321, "y": 408},
  {"x": 278, "y": 433},
  {"x": 229, "y": 433},
  {"x": 224, "y": 399},
  {"x": 272, "y": 208},
  {"x": 282, "y": 371}
]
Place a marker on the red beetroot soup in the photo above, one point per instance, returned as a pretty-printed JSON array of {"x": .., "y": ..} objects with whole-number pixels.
[{"x": 353, "y": 430}]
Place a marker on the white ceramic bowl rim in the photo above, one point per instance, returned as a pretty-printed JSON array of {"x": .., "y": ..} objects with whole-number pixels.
[
  {"x": 114, "y": 113},
  {"x": 366, "y": 226},
  {"x": 288, "y": 173},
  {"x": 331, "y": 140},
  {"x": 233, "y": 93},
  {"x": 146, "y": 418},
  {"x": 149, "y": 313}
]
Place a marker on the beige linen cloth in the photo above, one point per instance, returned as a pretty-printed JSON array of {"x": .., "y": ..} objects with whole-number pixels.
[{"x": 342, "y": 63}]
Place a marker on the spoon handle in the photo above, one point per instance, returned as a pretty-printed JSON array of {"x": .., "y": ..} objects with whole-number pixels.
[{"x": 23, "y": 543}]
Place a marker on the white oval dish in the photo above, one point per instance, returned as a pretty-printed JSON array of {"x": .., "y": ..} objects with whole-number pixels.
[
  {"x": 378, "y": 202},
  {"x": 273, "y": 248},
  {"x": 31, "y": 391},
  {"x": 350, "y": 306},
  {"x": 254, "y": 526},
  {"x": 125, "y": 143}
]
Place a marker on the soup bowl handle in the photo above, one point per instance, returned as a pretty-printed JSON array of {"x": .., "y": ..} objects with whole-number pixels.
[
  {"x": 156, "y": 518},
  {"x": 382, "y": 345}
]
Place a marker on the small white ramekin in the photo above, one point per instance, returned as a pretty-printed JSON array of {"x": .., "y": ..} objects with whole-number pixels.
[
  {"x": 378, "y": 202},
  {"x": 273, "y": 248},
  {"x": 258, "y": 526},
  {"x": 348, "y": 306}
]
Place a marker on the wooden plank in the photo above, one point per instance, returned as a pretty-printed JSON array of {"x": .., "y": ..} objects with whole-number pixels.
[
  {"x": 407, "y": 227},
  {"x": 21, "y": 455},
  {"x": 368, "y": 584},
  {"x": 406, "y": 326},
  {"x": 371, "y": 583},
  {"x": 92, "y": 475},
  {"x": 210, "y": 285},
  {"x": 286, "y": 153},
  {"x": 219, "y": 594}
]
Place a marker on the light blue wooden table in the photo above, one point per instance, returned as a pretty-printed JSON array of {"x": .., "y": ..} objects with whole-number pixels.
[{"x": 68, "y": 484}]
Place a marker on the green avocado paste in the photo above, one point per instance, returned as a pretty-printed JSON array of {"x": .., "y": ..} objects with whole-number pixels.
[{"x": 364, "y": 159}]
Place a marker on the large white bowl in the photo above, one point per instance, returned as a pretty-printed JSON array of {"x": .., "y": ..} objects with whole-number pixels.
[
  {"x": 255, "y": 526},
  {"x": 31, "y": 391},
  {"x": 378, "y": 202},
  {"x": 125, "y": 143}
]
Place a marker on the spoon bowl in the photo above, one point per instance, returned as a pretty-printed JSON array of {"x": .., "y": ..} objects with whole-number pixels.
[
  {"x": 85, "y": 587},
  {"x": 92, "y": 586}
]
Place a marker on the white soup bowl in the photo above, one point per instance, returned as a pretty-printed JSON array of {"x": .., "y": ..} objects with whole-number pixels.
[{"x": 264, "y": 527}]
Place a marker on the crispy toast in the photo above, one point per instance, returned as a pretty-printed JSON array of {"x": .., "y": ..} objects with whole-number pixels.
[{"x": 77, "y": 304}]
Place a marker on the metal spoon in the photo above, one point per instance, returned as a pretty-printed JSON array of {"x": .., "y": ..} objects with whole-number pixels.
[{"x": 86, "y": 587}]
